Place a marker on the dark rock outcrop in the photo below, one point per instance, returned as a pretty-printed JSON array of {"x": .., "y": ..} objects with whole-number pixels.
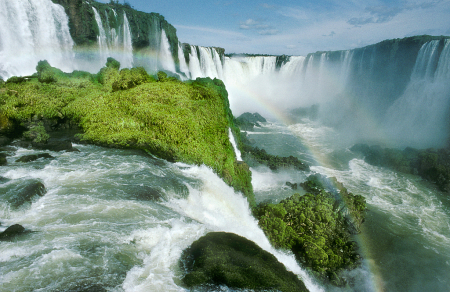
[
  {"x": 254, "y": 155},
  {"x": 33, "y": 157},
  {"x": 220, "y": 258},
  {"x": 12, "y": 231},
  {"x": 431, "y": 164},
  {"x": 21, "y": 191},
  {"x": 3, "y": 160},
  {"x": 247, "y": 121}
]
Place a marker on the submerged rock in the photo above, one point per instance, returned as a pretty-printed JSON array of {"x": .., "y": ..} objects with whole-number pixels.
[
  {"x": 3, "y": 160},
  {"x": 12, "y": 231},
  {"x": 220, "y": 258},
  {"x": 33, "y": 157},
  {"x": 19, "y": 192}
]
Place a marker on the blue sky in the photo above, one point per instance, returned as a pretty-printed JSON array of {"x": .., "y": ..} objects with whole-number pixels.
[{"x": 298, "y": 27}]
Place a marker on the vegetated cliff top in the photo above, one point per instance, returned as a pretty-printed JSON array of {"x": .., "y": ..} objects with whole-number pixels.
[{"x": 177, "y": 121}]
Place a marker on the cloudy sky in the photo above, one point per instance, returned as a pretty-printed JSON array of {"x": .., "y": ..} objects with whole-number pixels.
[{"x": 298, "y": 27}]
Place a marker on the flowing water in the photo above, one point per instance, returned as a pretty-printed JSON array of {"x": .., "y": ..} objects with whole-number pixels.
[
  {"x": 116, "y": 219},
  {"x": 405, "y": 240}
]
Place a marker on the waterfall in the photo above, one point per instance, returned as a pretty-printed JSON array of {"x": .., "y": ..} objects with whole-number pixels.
[
  {"x": 182, "y": 60},
  {"x": 420, "y": 116},
  {"x": 102, "y": 40},
  {"x": 194, "y": 64},
  {"x": 233, "y": 142},
  {"x": 32, "y": 31},
  {"x": 127, "y": 60},
  {"x": 165, "y": 55}
]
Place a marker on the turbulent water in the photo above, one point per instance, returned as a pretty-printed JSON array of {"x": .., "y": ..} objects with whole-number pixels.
[
  {"x": 405, "y": 240},
  {"x": 119, "y": 219},
  {"x": 116, "y": 219}
]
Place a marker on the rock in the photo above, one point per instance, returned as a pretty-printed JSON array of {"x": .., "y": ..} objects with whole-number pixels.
[
  {"x": 247, "y": 121},
  {"x": 33, "y": 157},
  {"x": 4, "y": 141},
  {"x": 293, "y": 186},
  {"x": 274, "y": 162},
  {"x": 55, "y": 145},
  {"x": 3, "y": 160},
  {"x": 220, "y": 258},
  {"x": 21, "y": 191},
  {"x": 12, "y": 231}
]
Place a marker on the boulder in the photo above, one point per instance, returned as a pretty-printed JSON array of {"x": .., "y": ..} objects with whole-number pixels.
[
  {"x": 33, "y": 157},
  {"x": 21, "y": 191},
  {"x": 55, "y": 145},
  {"x": 3, "y": 159},
  {"x": 12, "y": 231},
  {"x": 220, "y": 258}
]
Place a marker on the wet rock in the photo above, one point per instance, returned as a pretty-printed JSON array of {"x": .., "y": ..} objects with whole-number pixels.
[
  {"x": 21, "y": 191},
  {"x": 55, "y": 145},
  {"x": 4, "y": 141},
  {"x": 247, "y": 121},
  {"x": 12, "y": 231},
  {"x": 220, "y": 258},
  {"x": 147, "y": 193},
  {"x": 293, "y": 186},
  {"x": 3, "y": 160},
  {"x": 33, "y": 157}
]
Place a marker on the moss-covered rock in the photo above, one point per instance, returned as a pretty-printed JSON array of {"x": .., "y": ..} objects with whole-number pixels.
[
  {"x": 254, "y": 156},
  {"x": 315, "y": 228},
  {"x": 37, "y": 133},
  {"x": 220, "y": 258}
]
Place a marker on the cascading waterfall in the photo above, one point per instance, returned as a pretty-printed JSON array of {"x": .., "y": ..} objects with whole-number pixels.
[
  {"x": 127, "y": 60},
  {"x": 118, "y": 46},
  {"x": 32, "y": 31},
  {"x": 182, "y": 60},
  {"x": 420, "y": 115},
  {"x": 165, "y": 56},
  {"x": 233, "y": 142},
  {"x": 102, "y": 40}
]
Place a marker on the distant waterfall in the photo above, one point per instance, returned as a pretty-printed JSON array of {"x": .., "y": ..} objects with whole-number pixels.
[
  {"x": 182, "y": 60},
  {"x": 101, "y": 39},
  {"x": 112, "y": 44},
  {"x": 165, "y": 56},
  {"x": 421, "y": 115},
  {"x": 127, "y": 60},
  {"x": 30, "y": 31}
]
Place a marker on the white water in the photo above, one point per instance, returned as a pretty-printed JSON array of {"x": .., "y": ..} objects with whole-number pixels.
[
  {"x": 233, "y": 142},
  {"x": 117, "y": 46},
  {"x": 32, "y": 31},
  {"x": 420, "y": 116},
  {"x": 182, "y": 60},
  {"x": 101, "y": 39},
  {"x": 93, "y": 228},
  {"x": 165, "y": 56}
]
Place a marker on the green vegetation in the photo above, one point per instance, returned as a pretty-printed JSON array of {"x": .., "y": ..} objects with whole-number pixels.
[
  {"x": 315, "y": 227},
  {"x": 177, "y": 121},
  {"x": 220, "y": 258}
]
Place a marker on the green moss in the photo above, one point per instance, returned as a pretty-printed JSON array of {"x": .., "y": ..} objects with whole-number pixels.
[
  {"x": 220, "y": 258},
  {"x": 312, "y": 228},
  {"x": 37, "y": 133}
]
